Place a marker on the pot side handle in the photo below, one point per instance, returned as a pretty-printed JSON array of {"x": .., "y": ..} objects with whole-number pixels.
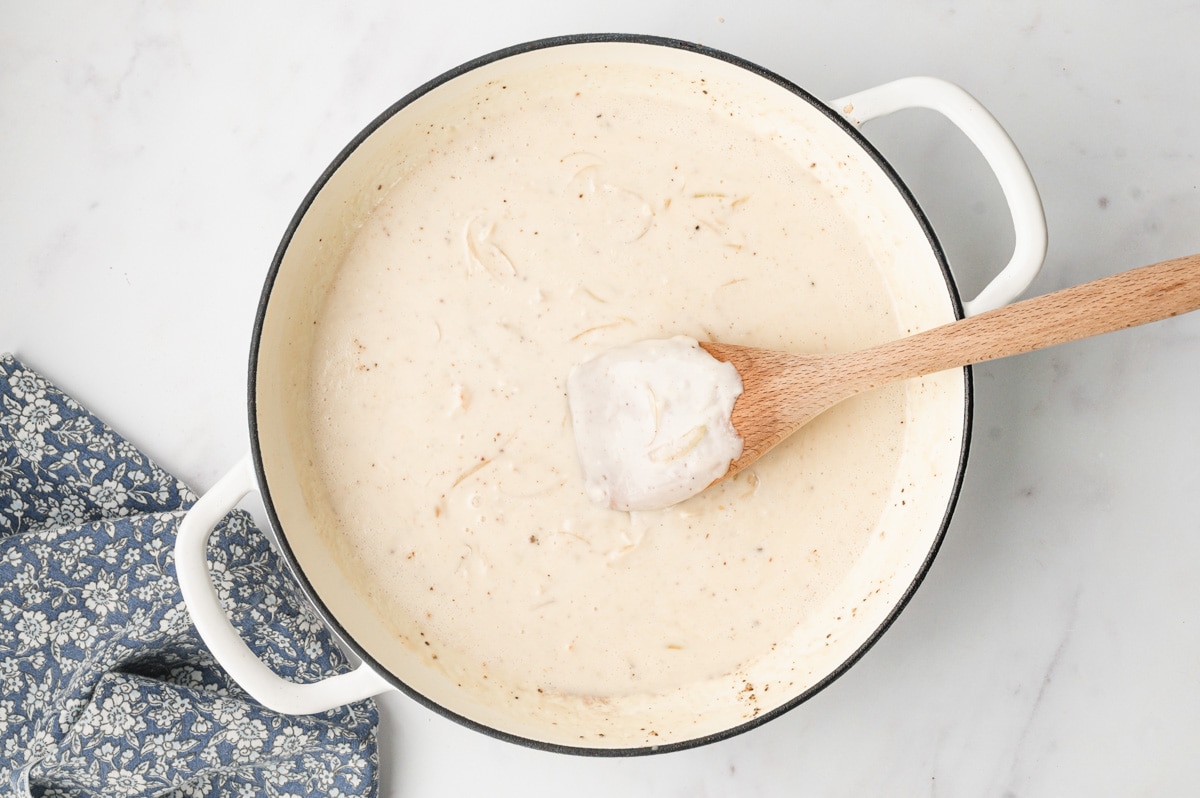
[
  {"x": 227, "y": 646},
  {"x": 1001, "y": 154}
]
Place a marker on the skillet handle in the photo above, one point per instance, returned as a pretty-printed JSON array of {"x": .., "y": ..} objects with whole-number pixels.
[
  {"x": 1024, "y": 203},
  {"x": 227, "y": 646}
]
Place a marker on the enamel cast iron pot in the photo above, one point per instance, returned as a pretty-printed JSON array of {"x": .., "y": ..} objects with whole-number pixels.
[{"x": 921, "y": 292}]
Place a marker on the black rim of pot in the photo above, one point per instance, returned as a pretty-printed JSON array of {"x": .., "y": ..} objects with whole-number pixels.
[{"x": 281, "y": 537}]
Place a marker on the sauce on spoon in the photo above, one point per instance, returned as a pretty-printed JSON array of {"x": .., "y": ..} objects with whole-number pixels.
[{"x": 652, "y": 422}]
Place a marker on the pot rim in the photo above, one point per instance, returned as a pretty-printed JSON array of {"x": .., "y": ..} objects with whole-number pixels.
[{"x": 256, "y": 336}]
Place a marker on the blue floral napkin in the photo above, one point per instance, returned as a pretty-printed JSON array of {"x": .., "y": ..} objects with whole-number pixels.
[{"x": 105, "y": 686}]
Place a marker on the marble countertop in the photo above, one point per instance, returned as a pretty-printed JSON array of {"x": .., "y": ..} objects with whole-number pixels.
[{"x": 152, "y": 154}]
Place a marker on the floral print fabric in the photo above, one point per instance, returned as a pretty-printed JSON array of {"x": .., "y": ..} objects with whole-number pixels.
[{"x": 105, "y": 686}]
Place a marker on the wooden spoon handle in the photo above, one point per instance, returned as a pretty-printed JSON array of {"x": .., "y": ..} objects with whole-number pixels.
[{"x": 1138, "y": 296}]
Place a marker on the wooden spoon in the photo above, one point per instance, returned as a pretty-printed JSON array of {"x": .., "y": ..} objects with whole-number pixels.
[{"x": 782, "y": 392}]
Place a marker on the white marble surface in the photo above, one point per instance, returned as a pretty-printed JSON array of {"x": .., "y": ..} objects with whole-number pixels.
[{"x": 152, "y": 154}]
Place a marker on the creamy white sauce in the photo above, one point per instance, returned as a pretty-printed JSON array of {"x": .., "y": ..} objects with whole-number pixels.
[
  {"x": 652, "y": 422},
  {"x": 553, "y": 216}
]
